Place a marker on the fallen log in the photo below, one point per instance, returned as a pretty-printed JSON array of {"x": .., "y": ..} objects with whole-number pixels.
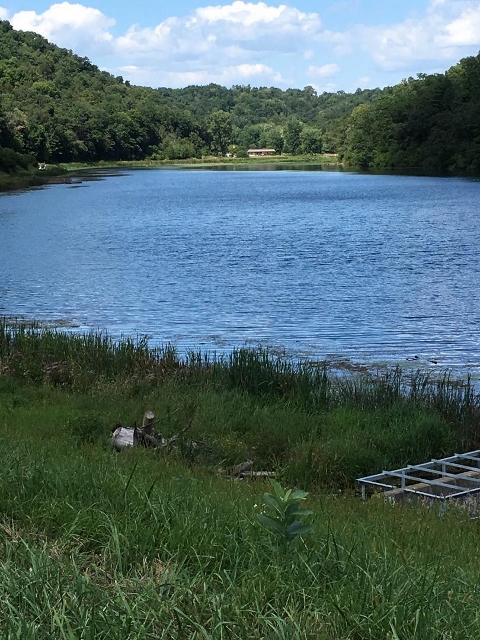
[{"x": 244, "y": 470}]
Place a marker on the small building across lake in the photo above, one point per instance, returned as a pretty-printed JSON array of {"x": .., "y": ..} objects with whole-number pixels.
[{"x": 252, "y": 153}]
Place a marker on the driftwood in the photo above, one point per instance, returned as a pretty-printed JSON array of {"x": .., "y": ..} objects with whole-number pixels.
[
  {"x": 244, "y": 470},
  {"x": 145, "y": 436},
  {"x": 148, "y": 422}
]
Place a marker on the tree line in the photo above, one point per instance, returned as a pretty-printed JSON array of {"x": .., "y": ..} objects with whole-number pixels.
[
  {"x": 59, "y": 107},
  {"x": 430, "y": 123},
  {"x": 56, "y": 106}
]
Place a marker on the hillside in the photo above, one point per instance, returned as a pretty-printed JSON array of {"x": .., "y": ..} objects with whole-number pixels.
[
  {"x": 430, "y": 123},
  {"x": 58, "y": 107},
  {"x": 61, "y": 107}
]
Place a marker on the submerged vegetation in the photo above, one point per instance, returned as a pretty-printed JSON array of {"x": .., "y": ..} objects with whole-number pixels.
[{"x": 149, "y": 544}]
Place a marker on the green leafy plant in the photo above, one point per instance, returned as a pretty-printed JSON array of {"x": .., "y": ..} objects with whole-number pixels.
[{"x": 285, "y": 515}]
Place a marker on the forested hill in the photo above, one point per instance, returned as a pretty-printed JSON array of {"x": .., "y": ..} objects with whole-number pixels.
[
  {"x": 432, "y": 123},
  {"x": 58, "y": 107}
]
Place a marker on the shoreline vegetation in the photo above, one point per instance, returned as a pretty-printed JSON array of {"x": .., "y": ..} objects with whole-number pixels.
[
  {"x": 28, "y": 178},
  {"x": 62, "y": 173},
  {"x": 59, "y": 173},
  {"x": 149, "y": 544},
  {"x": 320, "y": 159}
]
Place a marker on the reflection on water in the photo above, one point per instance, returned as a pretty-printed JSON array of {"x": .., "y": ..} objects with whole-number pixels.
[{"x": 367, "y": 268}]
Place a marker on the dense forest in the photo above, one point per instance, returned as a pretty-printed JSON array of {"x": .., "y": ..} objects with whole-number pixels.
[
  {"x": 431, "y": 123},
  {"x": 58, "y": 107}
]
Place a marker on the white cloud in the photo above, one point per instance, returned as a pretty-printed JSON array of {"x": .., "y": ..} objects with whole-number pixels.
[
  {"x": 242, "y": 35},
  {"x": 249, "y": 20},
  {"x": 260, "y": 74},
  {"x": 250, "y": 70},
  {"x": 436, "y": 37},
  {"x": 68, "y": 25},
  {"x": 241, "y": 29},
  {"x": 129, "y": 68},
  {"x": 465, "y": 30},
  {"x": 364, "y": 82},
  {"x": 3, "y": 13},
  {"x": 329, "y": 87},
  {"x": 262, "y": 41},
  {"x": 324, "y": 71},
  {"x": 239, "y": 12}
]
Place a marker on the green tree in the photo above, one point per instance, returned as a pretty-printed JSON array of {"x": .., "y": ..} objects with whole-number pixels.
[
  {"x": 292, "y": 135},
  {"x": 312, "y": 140},
  {"x": 221, "y": 129}
]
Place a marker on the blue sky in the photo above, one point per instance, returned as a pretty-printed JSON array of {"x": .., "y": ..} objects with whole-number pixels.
[{"x": 332, "y": 45}]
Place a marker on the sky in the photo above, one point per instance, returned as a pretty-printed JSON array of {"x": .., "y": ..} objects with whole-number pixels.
[{"x": 332, "y": 45}]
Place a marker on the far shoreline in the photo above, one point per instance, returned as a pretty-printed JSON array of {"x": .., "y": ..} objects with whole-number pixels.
[
  {"x": 208, "y": 161},
  {"x": 59, "y": 173}
]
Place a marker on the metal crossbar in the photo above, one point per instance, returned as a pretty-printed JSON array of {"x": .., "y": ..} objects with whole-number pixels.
[
  {"x": 445, "y": 474},
  {"x": 433, "y": 483},
  {"x": 469, "y": 456},
  {"x": 466, "y": 467},
  {"x": 392, "y": 487}
]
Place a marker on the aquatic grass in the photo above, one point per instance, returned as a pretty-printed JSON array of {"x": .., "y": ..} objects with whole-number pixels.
[
  {"x": 258, "y": 372},
  {"x": 42, "y": 354}
]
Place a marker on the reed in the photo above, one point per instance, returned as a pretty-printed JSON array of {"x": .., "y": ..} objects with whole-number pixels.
[{"x": 293, "y": 417}]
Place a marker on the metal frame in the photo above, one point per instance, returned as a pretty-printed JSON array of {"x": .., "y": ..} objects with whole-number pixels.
[{"x": 446, "y": 484}]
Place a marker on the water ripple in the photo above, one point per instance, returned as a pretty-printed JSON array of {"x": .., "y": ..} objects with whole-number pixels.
[{"x": 376, "y": 269}]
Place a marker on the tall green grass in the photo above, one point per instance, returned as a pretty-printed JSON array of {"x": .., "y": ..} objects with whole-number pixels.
[
  {"x": 295, "y": 418},
  {"x": 103, "y": 545},
  {"x": 150, "y": 544}
]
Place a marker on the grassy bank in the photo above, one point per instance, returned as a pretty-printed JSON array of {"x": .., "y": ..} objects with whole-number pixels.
[
  {"x": 145, "y": 544},
  {"x": 30, "y": 178},
  {"x": 315, "y": 428},
  {"x": 326, "y": 159},
  {"x": 59, "y": 173}
]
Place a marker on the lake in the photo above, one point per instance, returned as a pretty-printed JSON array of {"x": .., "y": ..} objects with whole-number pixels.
[{"x": 375, "y": 269}]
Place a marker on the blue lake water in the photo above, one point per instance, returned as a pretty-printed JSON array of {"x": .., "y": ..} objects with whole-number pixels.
[{"x": 365, "y": 268}]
